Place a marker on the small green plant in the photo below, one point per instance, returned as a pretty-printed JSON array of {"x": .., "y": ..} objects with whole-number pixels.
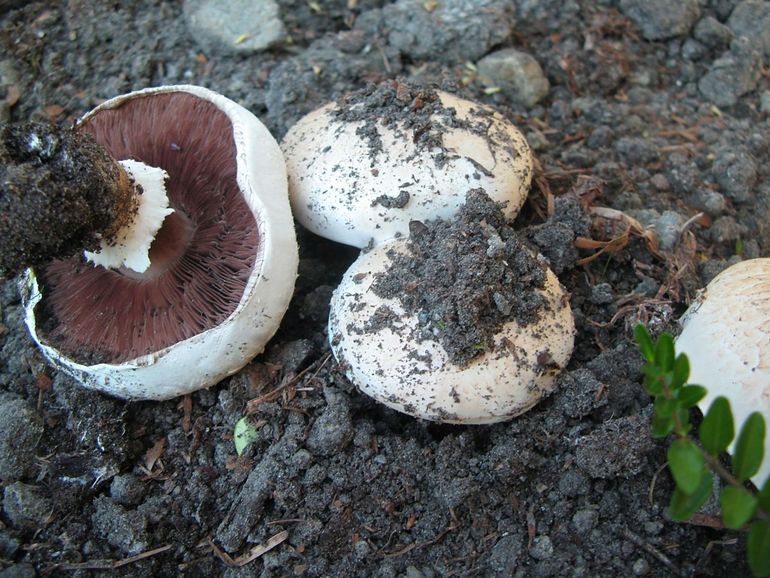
[
  {"x": 244, "y": 434},
  {"x": 694, "y": 465}
]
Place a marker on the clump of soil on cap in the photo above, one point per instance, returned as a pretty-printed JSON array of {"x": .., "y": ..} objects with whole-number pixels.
[
  {"x": 411, "y": 112},
  {"x": 60, "y": 193},
  {"x": 464, "y": 278}
]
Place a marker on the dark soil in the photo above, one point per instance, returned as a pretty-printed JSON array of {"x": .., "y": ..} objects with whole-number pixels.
[
  {"x": 465, "y": 278},
  {"x": 399, "y": 106},
  {"x": 337, "y": 484},
  {"x": 414, "y": 112}
]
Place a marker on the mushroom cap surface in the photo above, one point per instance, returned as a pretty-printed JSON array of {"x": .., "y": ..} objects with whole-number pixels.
[
  {"x": 342, "y": 189},
  {"x": 388, "y": 361},
  {"x": 726, "y": 337},
  {"x": 207, "y": 356}
]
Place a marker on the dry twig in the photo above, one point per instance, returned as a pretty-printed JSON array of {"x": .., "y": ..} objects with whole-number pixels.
[
  {"x": 256, "y": 552},
  {"x": 630, "y": 227},
  {"x": 453, "y": 525},
  {"x": 106, "y": 564},
  {"x": 654, "y": 552},
  {"x": 253, "y": 404}
]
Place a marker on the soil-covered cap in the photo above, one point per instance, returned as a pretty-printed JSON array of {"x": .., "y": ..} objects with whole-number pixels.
[
  {"x": 461, "y": 322},
  {"x": 726, "y": 337},
  {"x": 223, "y": 263},
  {"x": 362, "y": 168}
]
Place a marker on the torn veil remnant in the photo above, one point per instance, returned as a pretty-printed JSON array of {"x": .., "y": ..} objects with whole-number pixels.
[
  {"x": 726, "y": 337},
  {"x": 460, "y": 323},
  {"x": 362, "y": 168},
  {"x": 222, "y": 266},
  {"x": 130, "y": 245}
]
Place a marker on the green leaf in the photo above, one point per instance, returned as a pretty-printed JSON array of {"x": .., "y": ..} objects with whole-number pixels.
[
  {"x": 686, "y": 464},
  {"x": 758, "y": 549},
  {"x": 738, "y": 506},
  {"x": 717, "y": 429},
  {"x": 690, "y": 395},
  {"x": 764, "y": 496},
  {"x": 643, "y": 340},
  {"x": 683, "y": 506},
  {"x": 749, "y": 449},
  {"x": 665, "y": 407},
  {"x": 684, "y": 420},
  {"x": 664, "y": 352},
  {"x": 244, "y": 434},
  {"x": 653, "y": 383},
  {"x": 681, "y": 371},
  {"x": 740, "y": 247},
  {"x": 662, "y": 426}
]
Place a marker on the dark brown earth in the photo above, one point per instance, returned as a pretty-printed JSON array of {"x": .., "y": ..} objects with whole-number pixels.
[
  {"x": 396, "y": 104},
  {"x": 640, "y": 128},
  {"x": 466, "y": 278}
]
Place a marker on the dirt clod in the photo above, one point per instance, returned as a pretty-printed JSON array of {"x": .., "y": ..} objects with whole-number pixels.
[
  {"x": 60, "y": 193},
  {"x": 464, "y": 278}
]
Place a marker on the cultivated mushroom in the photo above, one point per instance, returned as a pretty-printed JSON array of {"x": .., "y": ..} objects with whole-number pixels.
[
  {"x": 362, "y": 168},
  {"x": 726, "y": 336},
  {"x": 460, "y": 323},
  {"x": 222, "y": 266}
]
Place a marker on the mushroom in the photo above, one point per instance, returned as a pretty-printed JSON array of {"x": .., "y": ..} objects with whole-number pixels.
[
  {"x": 362, "y": 168},
  {"x": 222, "y": 266},
  {"x": 726, "y": 337},
  {"x": 460, "y": 323}
]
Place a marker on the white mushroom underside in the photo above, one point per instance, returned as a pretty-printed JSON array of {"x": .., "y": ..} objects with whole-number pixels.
[
  {"x": 131, "y": 248},
  {"x": 334, "y": 183},
  {"x": 416, "y": 377},
  {"x": 209, "y": 356},
  {"x": 726, "y": 336}
]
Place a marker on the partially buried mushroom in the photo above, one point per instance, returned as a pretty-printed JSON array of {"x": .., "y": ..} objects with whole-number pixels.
[
  {"x": 221, "y": 268},
  {"x": 362, "y": 168},
  {"x": 726, "y": 337},
  {"x": 459, "y": 323}
]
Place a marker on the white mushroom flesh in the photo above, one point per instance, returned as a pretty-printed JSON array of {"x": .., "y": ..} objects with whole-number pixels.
[
  {"x": 726, "y": 337},
  {"x": 390, "y": 363},
  {"x": 131, "y": 247},
  {"x": 341, "y": 190}
]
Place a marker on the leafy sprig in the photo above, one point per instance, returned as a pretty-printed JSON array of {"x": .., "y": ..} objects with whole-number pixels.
[{"x": 694, "y": 465}]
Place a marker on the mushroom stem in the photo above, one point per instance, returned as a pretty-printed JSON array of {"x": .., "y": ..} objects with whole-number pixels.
[
  {"x": 129, "y": 245},
  {"x": 62, "y": 193}
]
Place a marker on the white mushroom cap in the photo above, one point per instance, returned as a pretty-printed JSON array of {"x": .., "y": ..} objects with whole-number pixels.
[
  {"x": 726, "y": 336},
  {"x": 390, "y": 363},
  {"x": 339, "y": 191},
  {"x": 208, "y": 356}
]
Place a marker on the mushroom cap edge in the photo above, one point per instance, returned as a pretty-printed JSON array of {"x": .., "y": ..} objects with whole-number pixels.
[{"x": 726, "y": 337}]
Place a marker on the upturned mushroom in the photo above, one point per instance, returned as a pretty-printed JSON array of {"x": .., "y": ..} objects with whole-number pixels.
[
  {"x": 362, "y": 168},
  {"x": 460, "y": 323},
  {"x": 726, "y": 336},
  {"x": 221, "y": 267}
]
